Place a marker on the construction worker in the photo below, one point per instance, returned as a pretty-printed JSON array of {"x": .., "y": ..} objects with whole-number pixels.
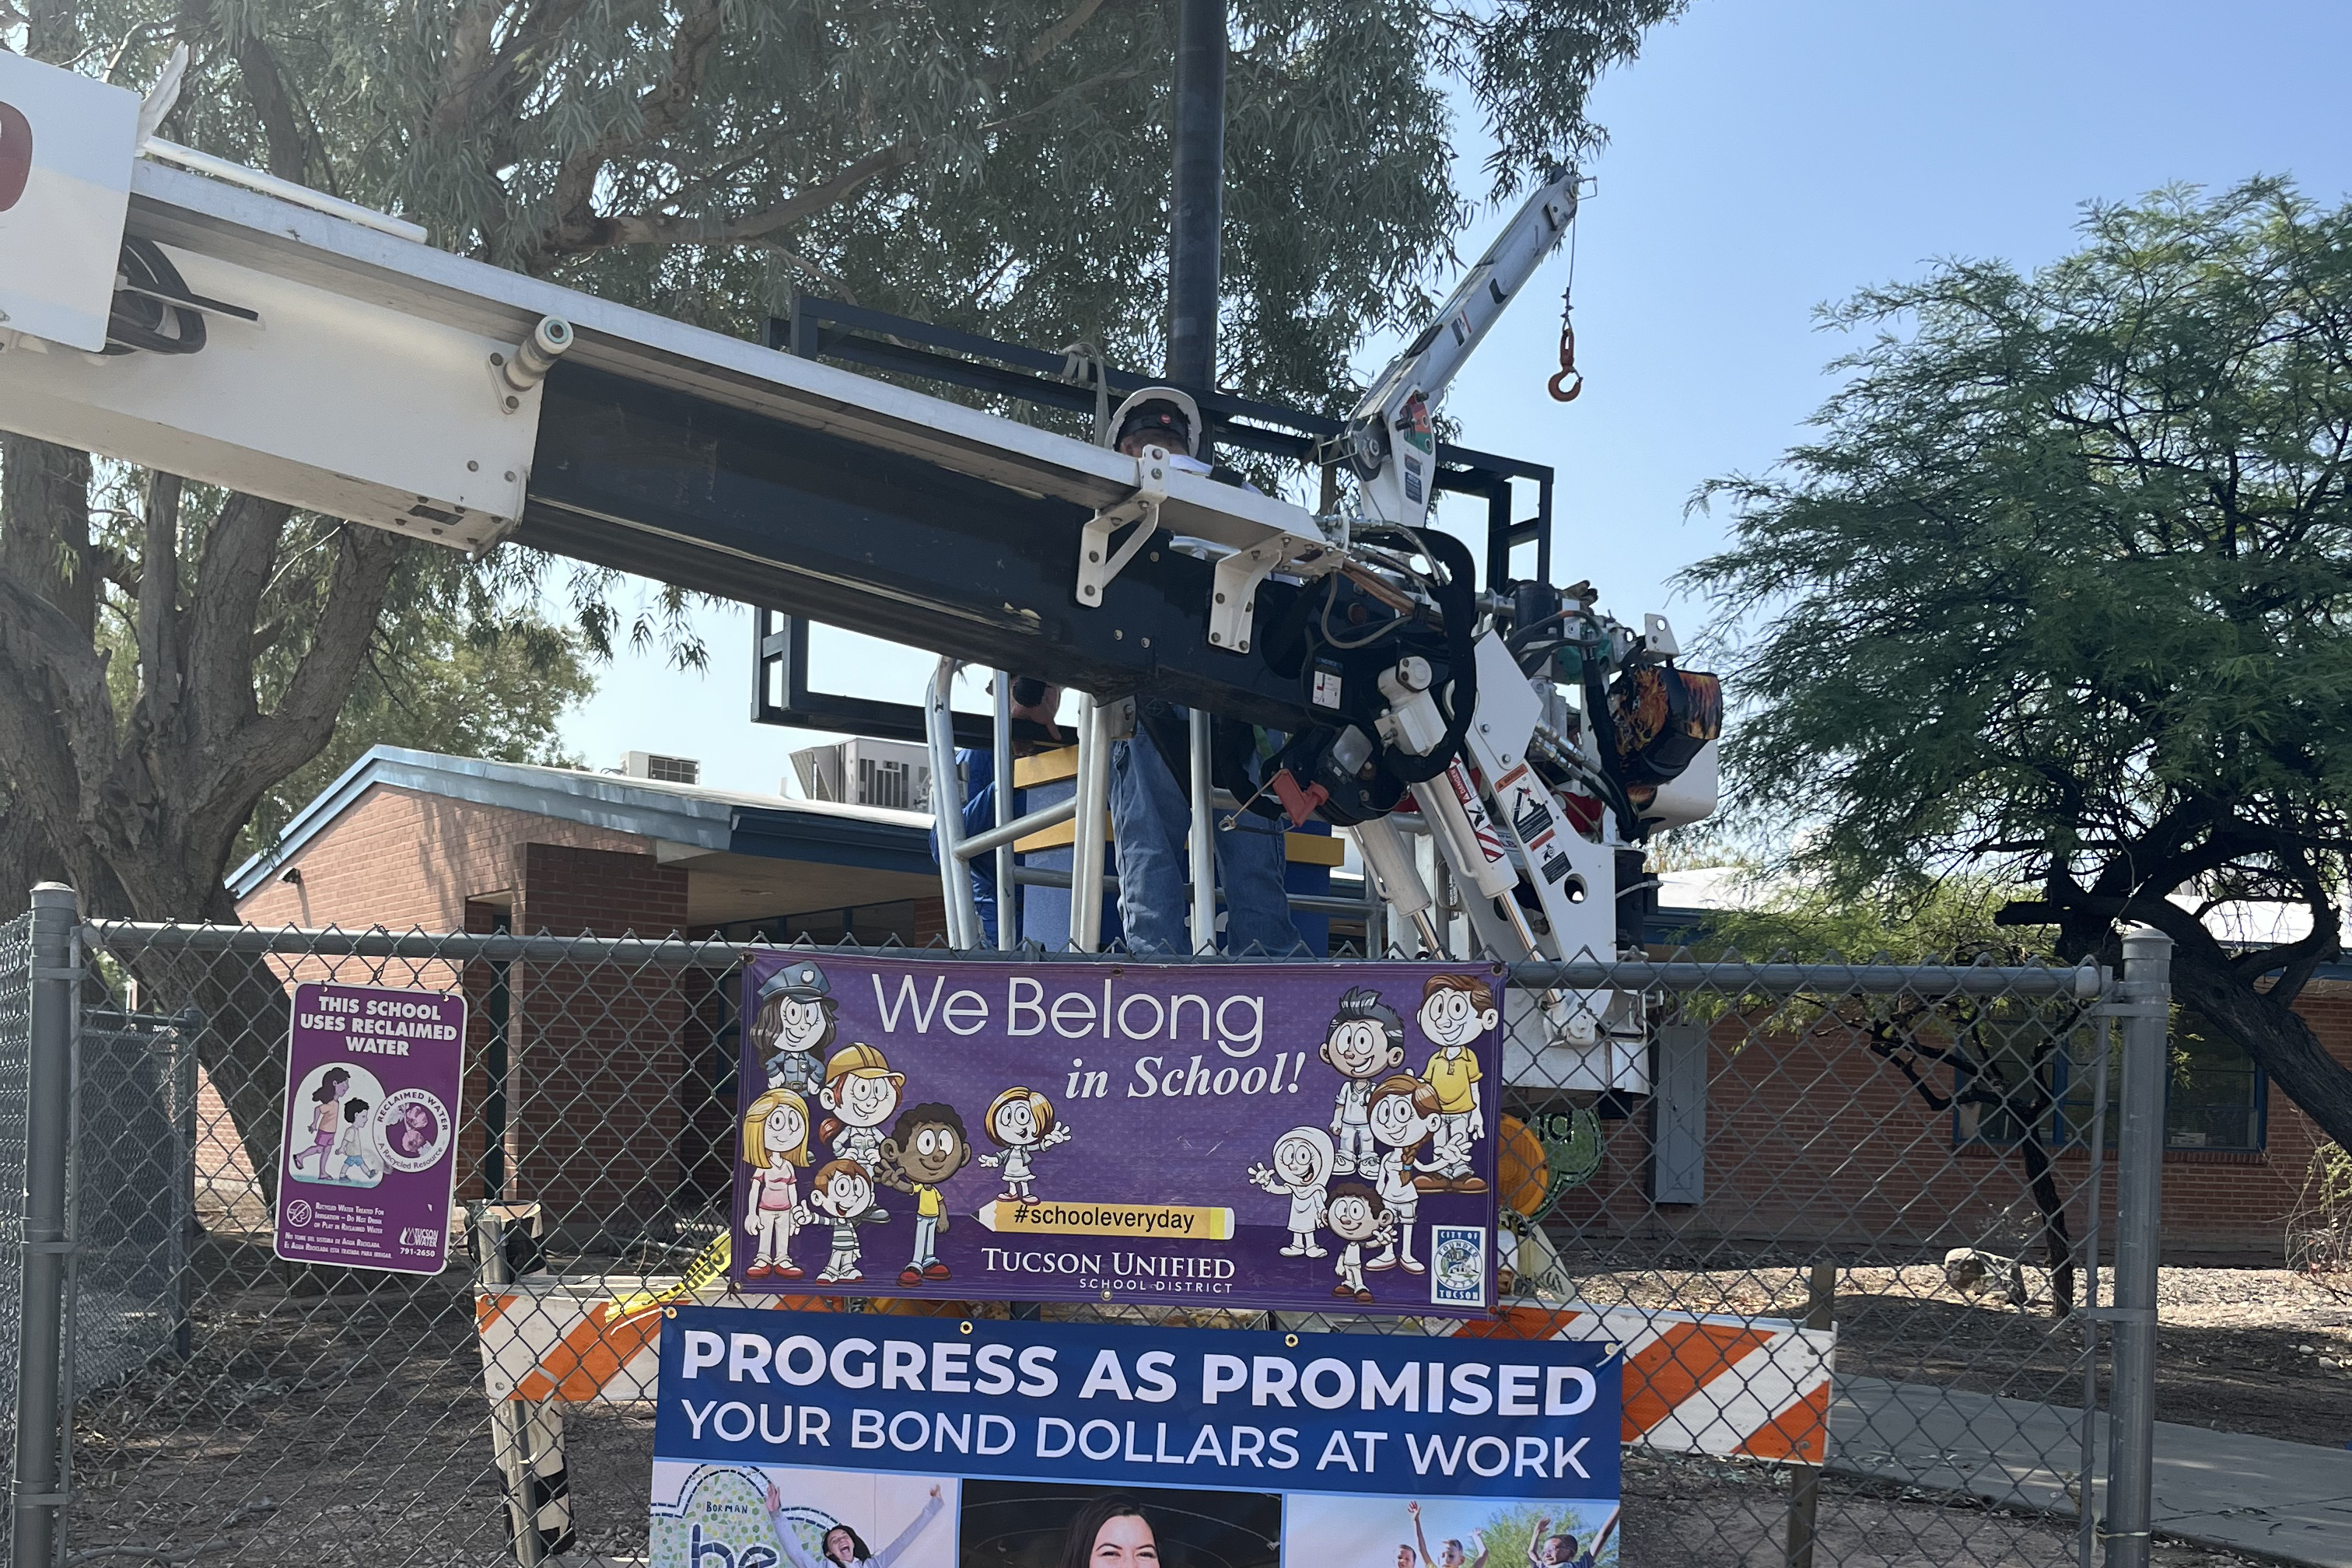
[{"x": 1149, "y": 816}]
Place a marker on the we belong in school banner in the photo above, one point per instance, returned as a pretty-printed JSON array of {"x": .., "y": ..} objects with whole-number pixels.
[
  {"x": 790, "y": 1438},
  {"x": 1310, "y": 1137}
]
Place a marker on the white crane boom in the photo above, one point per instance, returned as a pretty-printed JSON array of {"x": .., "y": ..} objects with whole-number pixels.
[{"x": 1390, "y": 441}]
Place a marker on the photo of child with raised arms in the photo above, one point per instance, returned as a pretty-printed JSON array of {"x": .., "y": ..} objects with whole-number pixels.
[
  {"x": 1324, "y": 1529},
  {"x": 763, "y": 1516}
]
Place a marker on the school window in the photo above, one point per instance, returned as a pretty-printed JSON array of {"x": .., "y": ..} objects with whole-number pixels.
[{"x": 2215, "y": 1099}]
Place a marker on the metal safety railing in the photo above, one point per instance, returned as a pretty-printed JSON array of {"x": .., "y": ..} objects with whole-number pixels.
[{"x": 1089, "y": 878}]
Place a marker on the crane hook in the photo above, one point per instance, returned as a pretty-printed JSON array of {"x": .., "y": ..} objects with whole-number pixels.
[{"x": 1567, "y": 364}]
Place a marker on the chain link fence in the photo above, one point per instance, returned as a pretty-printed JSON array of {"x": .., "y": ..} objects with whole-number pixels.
[{"x": 1913, "y": 1159}]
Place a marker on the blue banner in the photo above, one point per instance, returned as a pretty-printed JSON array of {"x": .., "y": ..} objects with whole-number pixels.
[{"x": 777, "y": 1430}]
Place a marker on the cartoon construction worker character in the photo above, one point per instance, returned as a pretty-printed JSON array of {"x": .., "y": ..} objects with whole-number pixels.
[
  {"x": 1455, "y": 1010},
  {"x": 1301, "y": 1169},
  {"x": 1365, "y": 1043},
  {"x": 1356, "y": 1217},
  {"x": 794, "y": 1025},
  {"x": 844, "y": 1194},
  {"x": 1020, "y": 1123},
  {"x": 1405, "y": 1113},
  {"x": 862, "y": 1092},
  {"x": 775, "y": 1146},
  {"x": 927, "y": 1145}
]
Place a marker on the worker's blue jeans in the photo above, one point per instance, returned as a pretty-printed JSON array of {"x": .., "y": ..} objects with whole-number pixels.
[{"x": 1149, "y": 823}]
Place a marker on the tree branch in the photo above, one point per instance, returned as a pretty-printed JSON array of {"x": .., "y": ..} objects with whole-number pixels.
[
  {"x": 465, "y": 65},
  {"x": 264, "y": 83},
  {"x": 660, "y": 109},
  {"x": 157, "y": 598},
  {"x": 234, "y": 569}
]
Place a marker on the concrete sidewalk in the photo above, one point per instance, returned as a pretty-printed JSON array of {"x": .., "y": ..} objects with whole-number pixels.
[{"x": 2289, "y": 1500}]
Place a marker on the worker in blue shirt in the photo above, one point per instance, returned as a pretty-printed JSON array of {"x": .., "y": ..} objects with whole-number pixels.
[{"x": 1149, "y": 814}]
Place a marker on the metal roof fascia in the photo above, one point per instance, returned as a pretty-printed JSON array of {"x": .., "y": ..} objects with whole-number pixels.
[
  {"x": 594, "y": 800},
  {"x": 830, "y": 840}
]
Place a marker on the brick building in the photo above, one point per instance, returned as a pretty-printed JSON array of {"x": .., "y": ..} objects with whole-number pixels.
[
  {"x": 565, "y": 1059},
  {"x": 602, "y": 1092}
]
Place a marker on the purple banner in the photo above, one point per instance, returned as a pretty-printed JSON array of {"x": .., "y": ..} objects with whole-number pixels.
[
  {"x": 1307, "y": 1137},
  {"x": 373, "y": 1081}
]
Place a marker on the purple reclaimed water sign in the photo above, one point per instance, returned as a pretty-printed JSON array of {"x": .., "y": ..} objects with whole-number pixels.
[
  {"x": 1309, "y": 1137},
  {"x": 373, "y": 1079}
]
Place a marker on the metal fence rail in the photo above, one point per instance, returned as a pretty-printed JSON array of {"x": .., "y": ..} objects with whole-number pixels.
[
  {"x": 1912, "y": 1156},
  {"x": 16, "y": 1091}
]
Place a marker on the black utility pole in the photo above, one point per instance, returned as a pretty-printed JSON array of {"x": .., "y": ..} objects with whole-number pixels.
[{"x": 1197, "y": 204}]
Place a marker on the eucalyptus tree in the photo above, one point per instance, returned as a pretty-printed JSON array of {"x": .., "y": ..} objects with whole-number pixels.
[{"x": 999, "y": 165}]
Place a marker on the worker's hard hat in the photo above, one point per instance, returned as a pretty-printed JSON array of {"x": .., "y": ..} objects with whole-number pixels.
[
  {"x": 862, "y": 1061},
  {"x": 1162, "y": 411}
]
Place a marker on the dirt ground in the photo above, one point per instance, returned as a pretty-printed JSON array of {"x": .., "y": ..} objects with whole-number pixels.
[
  {"x": 346, "y": 1429},
  {"x": 2258, "y": 1351}
]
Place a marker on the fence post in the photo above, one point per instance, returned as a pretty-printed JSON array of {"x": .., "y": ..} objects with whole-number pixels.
[
  {"x": 1805, "y": 1482},
  {"x": 40, "y": 1484},
  {"x": 526, "y": 1437},
  {"x": 2139, "y": 1191}
]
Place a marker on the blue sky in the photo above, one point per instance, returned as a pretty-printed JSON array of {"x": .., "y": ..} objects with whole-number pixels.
[{"x": 1765, "y": 157}]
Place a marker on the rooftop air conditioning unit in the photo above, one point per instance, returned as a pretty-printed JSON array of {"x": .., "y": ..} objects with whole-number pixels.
[
  {"x": 660, "y": 769},
  {"x": 893, "y": 774}
]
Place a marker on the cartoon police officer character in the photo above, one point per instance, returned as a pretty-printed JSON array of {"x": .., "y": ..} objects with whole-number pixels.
[{"x": 795, "y": 1023}]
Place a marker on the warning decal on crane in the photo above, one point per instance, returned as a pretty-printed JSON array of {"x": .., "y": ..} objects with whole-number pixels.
[{"x": 1482, "y": 826}]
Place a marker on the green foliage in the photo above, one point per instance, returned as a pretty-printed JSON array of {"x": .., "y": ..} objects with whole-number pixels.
[
  {"x": 459, "y": 660},
  {"x": 452, "y": 689},
  {"x": 997, "y": 166},
  {"x": 1948, "y": 921},
  {"x": 1001, "y": 167},
  {"x": 2062, "y": 591},
  {"x": 2063, "y": 584}
]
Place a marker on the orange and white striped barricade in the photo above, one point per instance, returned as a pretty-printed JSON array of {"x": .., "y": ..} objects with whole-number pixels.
[
  {"x": 547, "y": 1342},
  {"x": 1754, "y": 1388}
]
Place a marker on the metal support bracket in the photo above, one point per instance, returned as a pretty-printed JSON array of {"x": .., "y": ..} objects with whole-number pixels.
[
  {"x": 1233, "y": 603},
  {"x": 1098, "y": 563}
]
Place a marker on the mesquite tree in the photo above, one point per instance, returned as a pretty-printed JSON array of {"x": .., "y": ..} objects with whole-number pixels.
[{"x": 2063, "y": 590}]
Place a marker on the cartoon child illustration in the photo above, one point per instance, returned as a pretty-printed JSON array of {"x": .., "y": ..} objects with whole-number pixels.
[
  {"x": 1455, "y": 1010},
  {"x": 844, "y": 1194},
  {"x": 1355, "y": 1216},
  {"x": 1405, "y": 1113},
  {"x": 1021, "y": 1121},
  {"x": 1302, "y": 1166},
  {"x": 794, "y": 1023},
  {"x": 355, "y": 1143},
  {"x": 862, "y": 1092},
  {"x": 775, "y": 1145},
  {"x": 324, "y": 1119},
  {"x": 927, "y": 1145},
  {"x": 1366, "y": 1043}
]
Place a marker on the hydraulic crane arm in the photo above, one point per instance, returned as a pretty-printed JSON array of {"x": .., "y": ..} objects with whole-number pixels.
[
  {"x": 1390, "y": 442},
  {"x": 250, "y": 334}
]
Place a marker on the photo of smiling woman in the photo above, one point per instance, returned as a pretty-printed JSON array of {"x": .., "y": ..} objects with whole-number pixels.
[
  {"x": 1062, "y": 1524},
  {"x": 1111, "y": 1533}
]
